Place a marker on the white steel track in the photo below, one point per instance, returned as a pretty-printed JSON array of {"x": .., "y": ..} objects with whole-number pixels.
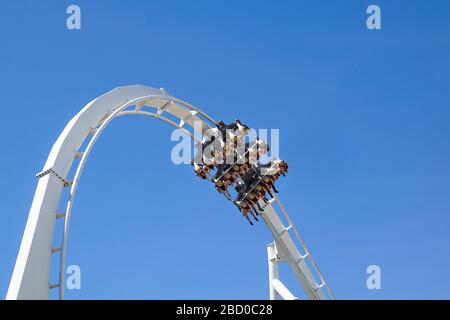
[{"x": 30, "y": 279}]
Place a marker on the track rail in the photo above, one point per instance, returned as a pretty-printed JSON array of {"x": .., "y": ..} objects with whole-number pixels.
[{"x": 31, "y": 274}]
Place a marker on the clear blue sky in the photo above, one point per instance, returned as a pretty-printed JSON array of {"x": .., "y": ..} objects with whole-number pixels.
[{"x": 364, "y": 119}]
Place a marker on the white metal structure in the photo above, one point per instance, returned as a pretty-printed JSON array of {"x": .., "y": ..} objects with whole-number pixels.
[{"x": 30, "y": 279}]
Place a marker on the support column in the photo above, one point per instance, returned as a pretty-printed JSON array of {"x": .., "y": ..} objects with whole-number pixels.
[{"x": 274, "y": 271}]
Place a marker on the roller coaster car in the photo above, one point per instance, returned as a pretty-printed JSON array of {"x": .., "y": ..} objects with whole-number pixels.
[
  {"x": 249, "y": 189},
  {"x": 256, "y": 183},
  {"x": 209, "y": 153},
  {"x": 232, "y": 131},
  {"x": 249, "y": 152},
  {"x": 201, "y": 170},
  {"x": 215, "y": 151},
  {"x": 273, "y": 168},
  {"x": 238, "y": 161},
  {"x": 255, "y": 150},
  {"x": 247, "y": 199},
  {"x": 248, "y": 205},
  {"x": 223, "y": 143},
  {"x": 225, "y": 176}
]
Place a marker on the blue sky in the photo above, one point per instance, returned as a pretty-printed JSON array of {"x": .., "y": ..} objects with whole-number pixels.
[{"x": 364, "y": 124}]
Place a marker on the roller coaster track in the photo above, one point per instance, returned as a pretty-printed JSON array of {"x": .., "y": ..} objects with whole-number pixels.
[{"x": 32, "y": 271}]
